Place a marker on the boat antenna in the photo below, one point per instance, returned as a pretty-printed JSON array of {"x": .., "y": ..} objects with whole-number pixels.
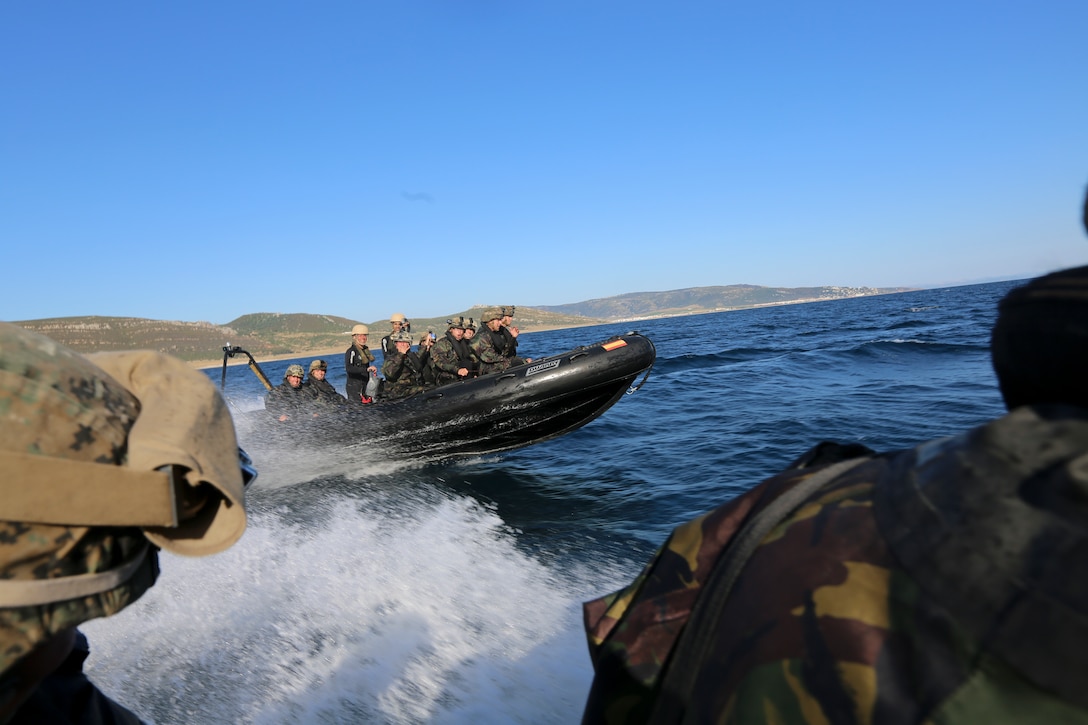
[{"x": 230, "y": 351}]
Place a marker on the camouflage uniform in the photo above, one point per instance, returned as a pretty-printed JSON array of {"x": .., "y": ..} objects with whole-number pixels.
[
  {"x": 322, "y": 391},
  {"x": 490, "y": 347},
  {"x": 944, "y": 583},
  {"x": 403, "y": 372},
  {"x": 56, "y": 403},
  {"x": 73, "y": 435},
  {"x": 448, "y": 356},
  {"x": 287, "y": 400}
]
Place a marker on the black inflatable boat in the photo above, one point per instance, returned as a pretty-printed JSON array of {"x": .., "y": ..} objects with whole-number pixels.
[{"x": 526, "y": 404}]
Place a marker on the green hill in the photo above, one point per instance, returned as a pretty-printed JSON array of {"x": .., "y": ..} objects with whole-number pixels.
[{"x": 274, "y": 333}]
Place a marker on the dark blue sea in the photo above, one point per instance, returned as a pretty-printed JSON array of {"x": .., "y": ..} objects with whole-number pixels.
[{"x": 372, "y": 589}]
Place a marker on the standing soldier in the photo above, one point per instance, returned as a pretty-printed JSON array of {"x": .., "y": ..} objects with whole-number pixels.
[
  {"x": 451, "y": 357},
  {"x": 399, "y": 323},
  {"x": 359, "y": 364}
]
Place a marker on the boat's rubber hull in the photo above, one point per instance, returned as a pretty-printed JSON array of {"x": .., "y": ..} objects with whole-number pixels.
[{"x": 524, "y": 405}]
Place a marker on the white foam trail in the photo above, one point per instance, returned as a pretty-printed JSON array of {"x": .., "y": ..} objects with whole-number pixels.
[{"x": 397, "y": 611}]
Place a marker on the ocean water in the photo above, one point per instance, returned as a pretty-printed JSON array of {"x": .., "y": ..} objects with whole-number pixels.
[{"x": 370, "y": 589}]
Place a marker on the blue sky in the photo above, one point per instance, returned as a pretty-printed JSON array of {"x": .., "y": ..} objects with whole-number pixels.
[{"x": 204, "y": 160}]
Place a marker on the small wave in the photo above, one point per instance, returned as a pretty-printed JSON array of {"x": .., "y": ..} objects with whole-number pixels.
[{"x": 422, "y": 609}]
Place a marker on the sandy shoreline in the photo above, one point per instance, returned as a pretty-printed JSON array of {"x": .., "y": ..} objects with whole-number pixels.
[{"x": 324, "y": 354}]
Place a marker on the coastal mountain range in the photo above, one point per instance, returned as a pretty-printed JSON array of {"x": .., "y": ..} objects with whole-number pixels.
[{"x": 266, "y": 334}]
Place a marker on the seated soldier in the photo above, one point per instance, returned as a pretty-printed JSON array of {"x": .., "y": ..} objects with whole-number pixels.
[
  {"x": 289, "y": 400},
  {"x": 402, "y": 369},
  {"x": 490, "y": 346},
  {"x": 943, "y": 583},
  {"x": 474, "y": 362},
  {"x": 104, "y": 459},
  {"x": 450, "y": 356},
  {"x": 320, "y": 389},
  {"x": 423, "y": 351}
]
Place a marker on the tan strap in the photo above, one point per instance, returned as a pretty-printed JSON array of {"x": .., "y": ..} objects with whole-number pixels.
[
  {"x": 46, "y": 490},
  {"x": 35, "y": 592}
]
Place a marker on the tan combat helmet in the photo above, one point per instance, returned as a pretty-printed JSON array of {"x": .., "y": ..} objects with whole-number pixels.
[
  {"x": 398, "y": 317},
  {"x": 103, "y": 459}
]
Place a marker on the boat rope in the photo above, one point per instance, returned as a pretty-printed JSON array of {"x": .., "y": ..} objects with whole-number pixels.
[{"x": 633, "y": 388}]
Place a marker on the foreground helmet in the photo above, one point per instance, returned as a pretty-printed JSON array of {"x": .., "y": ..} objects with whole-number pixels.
[
  {"x": 294, "y": 370},
  {"x": 360, "y": 330},
  {"x": 96, "y": 454},
  {"x": 492, "y": 313},
  {"x": 401, "y": 337},
  {"x": 397, "y": 317},
  {"x": 318, "y": 365},
  {"x": 457, "y": 323},
  {"x": 470, "y": 325}
]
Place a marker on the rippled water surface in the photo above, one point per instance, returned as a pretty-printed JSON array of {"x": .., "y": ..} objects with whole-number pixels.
[{"x": 376, "y": 590}]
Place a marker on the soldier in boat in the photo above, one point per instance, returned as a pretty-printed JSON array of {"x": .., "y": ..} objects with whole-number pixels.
[
  {"x": 289, "y": 400},
  {"x": 359, "y": 365},
  {"x": 321, "y": 390},
  {"x": 403, "y": 369},
  {"x": 451, "y": 356},
  {"x": 490, "y": 345}
]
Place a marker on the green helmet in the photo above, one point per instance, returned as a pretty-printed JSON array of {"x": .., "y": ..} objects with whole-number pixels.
[
  {"x": 456, "y": 323},
  {"x": 294, "y": 370},
  {"x": 81, "y": 485},
  {"x": 401, "y": 337}
]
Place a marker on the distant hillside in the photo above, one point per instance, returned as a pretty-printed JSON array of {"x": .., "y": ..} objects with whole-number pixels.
[
  {"x": 186, "y": 340},
  {"x": 294, "y": 332},
  {"x": 698, "y": 300},
  {"x": 263, "y": 334},
  {"x": 273, "y": 333}
]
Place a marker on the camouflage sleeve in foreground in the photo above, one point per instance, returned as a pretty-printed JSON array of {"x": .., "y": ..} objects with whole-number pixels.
[{"x": 824, "y": 625}]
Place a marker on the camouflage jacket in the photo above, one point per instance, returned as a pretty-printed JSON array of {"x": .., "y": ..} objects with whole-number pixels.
[
  {"x": 403, "y": 374},
  {"x": 448, "y": 356},
  {"x": 489, "y": 347},
  {"x": 944, "y": 583},
  {"x": 286, "y": 400},
  {"x": 323, "y": 393},
  {"x": 56, "y": 403}
]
